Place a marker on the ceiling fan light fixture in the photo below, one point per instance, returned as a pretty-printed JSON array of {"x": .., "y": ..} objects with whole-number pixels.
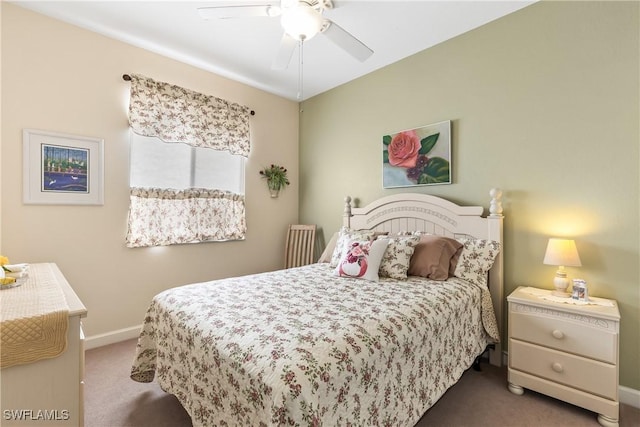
[
  {"x": 301, "y": 22},
  {"x": 273, "y": 11}
]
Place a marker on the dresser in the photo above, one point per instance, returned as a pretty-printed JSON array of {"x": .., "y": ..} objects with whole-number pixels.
[
  {"x": 566, "y": 351},
  {"x": 47, "y": 391}
]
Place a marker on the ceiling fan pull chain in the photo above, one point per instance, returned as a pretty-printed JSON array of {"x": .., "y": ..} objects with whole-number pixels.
[{"x": 301, "y": 71}]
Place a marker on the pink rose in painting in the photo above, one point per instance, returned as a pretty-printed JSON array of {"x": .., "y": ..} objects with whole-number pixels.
[{"x": 403, "y": 149}]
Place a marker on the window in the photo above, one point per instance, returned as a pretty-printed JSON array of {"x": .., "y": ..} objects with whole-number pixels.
[{"x": 192, "y": 188}]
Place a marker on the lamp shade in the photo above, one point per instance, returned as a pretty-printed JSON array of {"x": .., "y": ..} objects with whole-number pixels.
[{"x": 562, "y": 252}]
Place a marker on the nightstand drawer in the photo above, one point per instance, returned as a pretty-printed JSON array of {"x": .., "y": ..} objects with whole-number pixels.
[
  {"x": 550, "y": 329},
  {"x": 577, "y": 372}
]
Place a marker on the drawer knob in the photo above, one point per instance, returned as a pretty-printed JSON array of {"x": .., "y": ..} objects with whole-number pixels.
[
  {"x": 557, "y": 334},
  {"x": 557, "y": 367}
]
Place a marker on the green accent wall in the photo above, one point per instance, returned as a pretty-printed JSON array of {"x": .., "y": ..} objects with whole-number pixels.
[{"x": 544, "y": 104}]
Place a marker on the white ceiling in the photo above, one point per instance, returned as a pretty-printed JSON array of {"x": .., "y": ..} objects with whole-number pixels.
[{"x": 243, "y": 49}]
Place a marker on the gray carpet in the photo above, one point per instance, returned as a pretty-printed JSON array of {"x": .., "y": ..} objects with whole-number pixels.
[{"x": 112, "y": 399}]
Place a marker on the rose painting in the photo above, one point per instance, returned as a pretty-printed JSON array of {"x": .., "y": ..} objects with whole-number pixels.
[{"x": 419, "y": 156}]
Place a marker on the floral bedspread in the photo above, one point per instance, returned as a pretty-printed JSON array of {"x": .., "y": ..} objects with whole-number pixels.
[{"x": 303, "y": 347}]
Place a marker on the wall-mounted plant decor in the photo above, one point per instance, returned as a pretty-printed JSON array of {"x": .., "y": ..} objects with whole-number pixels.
[
  {"x": 276, "y": 177},
  {"x": 419, "y": 156}
]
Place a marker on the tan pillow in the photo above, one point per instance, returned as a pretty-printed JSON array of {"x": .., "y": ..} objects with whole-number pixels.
[{"x": 432, "y": 256}]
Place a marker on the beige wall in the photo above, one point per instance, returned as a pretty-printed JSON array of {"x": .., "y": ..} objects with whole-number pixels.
[
  {"x": 0, "y": 127},
  {"x": 61, "y": 78},
  {"x": 545, "y": 105}
]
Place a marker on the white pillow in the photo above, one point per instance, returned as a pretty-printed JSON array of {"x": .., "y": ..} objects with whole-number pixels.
[
  {"x": 476, "y": 258},
  {"x": 344, "y": 236},
  {"x": 361, "y": 259},
  {"x": 397, "y": 257}
]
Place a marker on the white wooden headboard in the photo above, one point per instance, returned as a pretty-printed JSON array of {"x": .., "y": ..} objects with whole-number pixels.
[{"x": 423, "y": 212}]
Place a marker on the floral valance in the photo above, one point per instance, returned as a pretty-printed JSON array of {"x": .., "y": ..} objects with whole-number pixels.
[{"x": 176, "y": 114}]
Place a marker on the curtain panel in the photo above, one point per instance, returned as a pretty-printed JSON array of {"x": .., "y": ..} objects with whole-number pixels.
[
  {"x": 159, "y": 217},
  {"x": 176, "y": 114}
]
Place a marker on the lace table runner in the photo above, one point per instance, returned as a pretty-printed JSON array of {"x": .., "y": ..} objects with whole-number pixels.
[{"x": 543, "y": 294}]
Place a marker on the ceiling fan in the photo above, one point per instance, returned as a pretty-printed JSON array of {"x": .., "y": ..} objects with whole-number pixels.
[{"x": 300, "y": 19}]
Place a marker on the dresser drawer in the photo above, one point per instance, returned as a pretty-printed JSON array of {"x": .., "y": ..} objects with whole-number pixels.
[
  {"x": 577, "y": 372},
  {"x": 569, "y": 333}
]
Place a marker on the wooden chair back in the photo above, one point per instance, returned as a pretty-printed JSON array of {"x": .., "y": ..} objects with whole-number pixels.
[{"x": 300, "y": 245}]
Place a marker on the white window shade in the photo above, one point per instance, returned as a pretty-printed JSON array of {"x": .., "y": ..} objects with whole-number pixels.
[
  {"x": 156, "y": 164},
  {"x": 219, "y": 169}
]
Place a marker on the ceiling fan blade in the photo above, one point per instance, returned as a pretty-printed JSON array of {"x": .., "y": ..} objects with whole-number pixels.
[
  {"x": 283, "y": 57},
  {"x": 347, "y": 41},
  {"x": 238, "y": 11}
]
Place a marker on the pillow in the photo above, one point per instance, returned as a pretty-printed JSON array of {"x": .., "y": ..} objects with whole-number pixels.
[
  {"x": 395, "y": 262},
  {"x": 361, "y": 259},
  {"x": 476, "y": 259},
  {"x": 344, "y": 236},
  {"x": 328, "y": 250},
  {"x": 432, "y": 257}
]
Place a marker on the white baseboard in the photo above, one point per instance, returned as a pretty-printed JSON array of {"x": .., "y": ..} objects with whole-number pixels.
[
  {"x": 629, "y": 396},
  {"x": 112, "y": 337}
]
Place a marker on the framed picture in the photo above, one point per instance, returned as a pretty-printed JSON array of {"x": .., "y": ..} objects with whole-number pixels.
[
  {"x": 420, "y": 156},
  {"x": 62, "y": 169}
]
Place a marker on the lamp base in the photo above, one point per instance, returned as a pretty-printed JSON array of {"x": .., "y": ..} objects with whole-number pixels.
[{"x": 561, "y": 283}]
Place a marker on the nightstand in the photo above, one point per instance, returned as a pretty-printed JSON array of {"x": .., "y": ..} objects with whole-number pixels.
[{"x": 566, "y": 351}]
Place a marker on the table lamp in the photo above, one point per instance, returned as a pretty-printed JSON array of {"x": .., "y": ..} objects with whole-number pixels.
[{"x": 561, "y": 252}]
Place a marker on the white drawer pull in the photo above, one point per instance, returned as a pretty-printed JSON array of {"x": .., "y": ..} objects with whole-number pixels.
[
  {"x": 557, "y": 334},
  {"x": 557, "y": 367}
]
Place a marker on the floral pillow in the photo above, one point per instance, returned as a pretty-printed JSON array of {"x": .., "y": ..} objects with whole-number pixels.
[
  {"x": 361, "y": 259},
  {"x": 476, "y": 258},
  {"x": 396, "y": 259},
  {"x": 344, "y": 236}
]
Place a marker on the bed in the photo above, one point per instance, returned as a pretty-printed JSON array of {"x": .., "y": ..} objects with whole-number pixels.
[{"x": 304, "y": 346}]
